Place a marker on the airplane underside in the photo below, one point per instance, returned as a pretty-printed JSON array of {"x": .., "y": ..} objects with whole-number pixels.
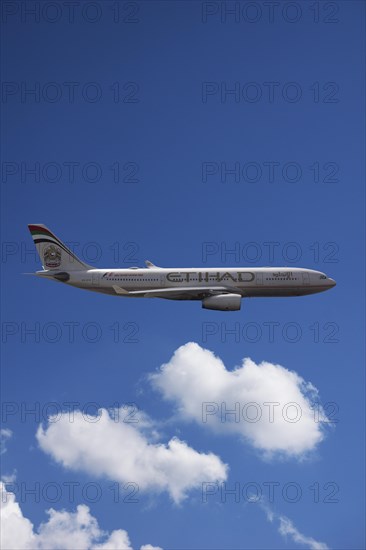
[{"x": 252, "y": 293}]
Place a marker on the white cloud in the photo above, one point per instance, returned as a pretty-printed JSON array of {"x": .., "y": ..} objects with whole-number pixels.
[
  {"x": 9, "y": 478},
  {"x": 67, "y": 530},
  {"x": 287, "y": 528},
  {"x": 124, "y": 453},
  {"x": 5, "y": 434},
  {"x": 272, "y": 406},
  {"x": 16, "y": 531}
]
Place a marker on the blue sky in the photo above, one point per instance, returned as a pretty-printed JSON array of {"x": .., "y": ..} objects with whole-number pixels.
[{"x": 136, "y": 120}]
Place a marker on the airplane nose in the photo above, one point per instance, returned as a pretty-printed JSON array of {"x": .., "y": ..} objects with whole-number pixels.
[{"x": 331, "y": 282}]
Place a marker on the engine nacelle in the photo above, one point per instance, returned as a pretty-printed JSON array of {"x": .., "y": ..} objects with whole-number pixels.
[{"x": 222, "y": 302}]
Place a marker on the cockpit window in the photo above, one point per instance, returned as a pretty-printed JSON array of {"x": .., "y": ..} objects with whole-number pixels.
[{"x": 323, "y": 276}]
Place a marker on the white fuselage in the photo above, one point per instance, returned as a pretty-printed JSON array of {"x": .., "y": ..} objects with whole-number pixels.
[
  {"x": 219, "y": 288},
  {"x": 246, "y": 281}
]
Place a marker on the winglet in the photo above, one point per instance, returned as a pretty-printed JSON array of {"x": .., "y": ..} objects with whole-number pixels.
[{"x": 150, "y": 265}]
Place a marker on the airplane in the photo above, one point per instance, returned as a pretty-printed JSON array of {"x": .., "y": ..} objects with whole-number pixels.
[{"x": 217, "y": 288}]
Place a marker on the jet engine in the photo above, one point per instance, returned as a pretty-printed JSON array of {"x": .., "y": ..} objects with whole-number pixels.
[{"x": 222, "y": 302}]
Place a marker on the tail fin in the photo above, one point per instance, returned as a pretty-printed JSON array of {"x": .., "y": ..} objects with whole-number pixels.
[{"x": 52, "y": 252}]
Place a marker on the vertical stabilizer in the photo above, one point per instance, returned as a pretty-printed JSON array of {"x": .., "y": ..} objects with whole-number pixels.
[{"x": 52, "y": 252}]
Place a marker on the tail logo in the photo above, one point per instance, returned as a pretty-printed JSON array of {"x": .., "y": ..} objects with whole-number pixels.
[{"x": 52, "y": 256}]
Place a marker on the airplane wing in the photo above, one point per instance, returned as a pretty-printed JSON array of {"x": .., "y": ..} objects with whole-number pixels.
[{"x": 177, "y": 293}]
